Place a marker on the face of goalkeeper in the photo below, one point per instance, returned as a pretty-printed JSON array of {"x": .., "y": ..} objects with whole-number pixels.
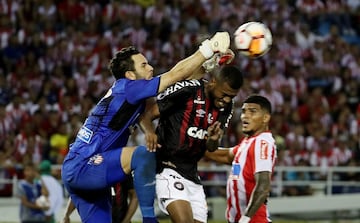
[{"x": 142, "y": 68}]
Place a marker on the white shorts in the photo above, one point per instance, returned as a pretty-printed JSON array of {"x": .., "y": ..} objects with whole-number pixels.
[{"x": 171, "y": 186}]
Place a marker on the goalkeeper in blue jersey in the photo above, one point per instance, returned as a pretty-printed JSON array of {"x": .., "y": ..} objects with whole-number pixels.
[{"x": 99, "y": 158}]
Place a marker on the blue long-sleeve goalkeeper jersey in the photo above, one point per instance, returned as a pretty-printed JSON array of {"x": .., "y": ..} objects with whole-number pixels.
[{"x": 108, "y": 124}]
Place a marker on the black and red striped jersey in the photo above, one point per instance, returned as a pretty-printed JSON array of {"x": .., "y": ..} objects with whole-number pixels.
[{"x": 185, "y": 114}]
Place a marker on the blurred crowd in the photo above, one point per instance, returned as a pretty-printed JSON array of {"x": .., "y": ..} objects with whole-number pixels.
[{"x": 54, "y": 57}]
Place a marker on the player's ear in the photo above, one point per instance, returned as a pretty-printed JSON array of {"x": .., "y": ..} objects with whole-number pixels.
[
  {"x": 266, "y": 118},
  {"x": 130, "y": 75}
]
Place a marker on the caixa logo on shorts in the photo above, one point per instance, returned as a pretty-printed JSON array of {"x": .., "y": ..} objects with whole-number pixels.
[{"x": 85, "y": 134}]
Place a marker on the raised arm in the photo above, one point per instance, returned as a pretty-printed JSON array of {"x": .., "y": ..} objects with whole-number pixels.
[
  {"x": 184, "y": 69},
  {"x": 221, "y": 155},
  {"x": 258, "y": 196}
]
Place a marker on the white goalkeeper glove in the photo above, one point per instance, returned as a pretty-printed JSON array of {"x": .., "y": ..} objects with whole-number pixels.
[
  {"x": 218, "y": 59},
  {"x": 244, "y": 219},
  {"x": 220, "y": 42}
]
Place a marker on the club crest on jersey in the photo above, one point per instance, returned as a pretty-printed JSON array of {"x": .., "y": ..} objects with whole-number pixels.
[
  {"x": 196, "y": 132},
  {"x": 264, "y": 150},
  {"x": 95, "y": 160},
  {"x": 178, "y": 185},
  {"x": 85, "y": 134},
  {"x": 200, "y": 113},
  {"x": 177, "y": 86}
]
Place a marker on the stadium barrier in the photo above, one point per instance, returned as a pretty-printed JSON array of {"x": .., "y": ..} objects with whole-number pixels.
[{"x": 323, "y": 200}]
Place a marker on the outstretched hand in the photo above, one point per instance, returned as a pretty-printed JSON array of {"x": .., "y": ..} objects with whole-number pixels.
[
  {"x": 220, "y": 42},
  {"x": 218, "y": 59}
]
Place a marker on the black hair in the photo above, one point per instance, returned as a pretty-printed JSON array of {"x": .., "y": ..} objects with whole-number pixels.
[
  {"x": 231, "y": 75},
  {"x": 260, "y": 100},
  {"x": 122, "y": 62}
]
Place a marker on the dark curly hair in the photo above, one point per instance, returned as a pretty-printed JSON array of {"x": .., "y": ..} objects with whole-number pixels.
[{"x": 122, "y": 62}]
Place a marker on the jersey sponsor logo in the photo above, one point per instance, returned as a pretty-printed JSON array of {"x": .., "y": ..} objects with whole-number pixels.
[
  {"x": 199, "y": 101},
  {"x": 264, "y": 150},
  {"x": 200, "y": 113},
  {"x": 85, "y": 134},
  {"x": 178, "y": 86},
  {"x": 196, "y": 132}
]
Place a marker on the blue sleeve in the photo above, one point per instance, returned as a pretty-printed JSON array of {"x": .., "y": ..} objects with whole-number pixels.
[{"x": 138, "y": 90}]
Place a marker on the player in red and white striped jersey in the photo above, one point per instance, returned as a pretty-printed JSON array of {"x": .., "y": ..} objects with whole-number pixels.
[{"x": 253, "y": 160}]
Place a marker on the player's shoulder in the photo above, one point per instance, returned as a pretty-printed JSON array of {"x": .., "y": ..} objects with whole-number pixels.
[
  {"x": 124, "y": 84},
  {"x": 267, "y": 136},
  {"x": 181, "y": 86}
]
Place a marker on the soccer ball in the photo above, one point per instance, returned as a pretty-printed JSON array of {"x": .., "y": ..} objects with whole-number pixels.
[{"x": 253, "y": 39}]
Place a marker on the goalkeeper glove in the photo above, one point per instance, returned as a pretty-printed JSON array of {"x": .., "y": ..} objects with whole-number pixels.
[
  {"x": 220, "y": 42},
  {"x": 219, "y": 59}
]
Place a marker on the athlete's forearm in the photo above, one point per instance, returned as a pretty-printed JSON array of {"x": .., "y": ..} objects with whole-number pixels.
[
  {"x": 212, "y": 145},
  {"x": 220, "y": 42},
  {"x": 259, "y": 194},
  {"x": 220, "y": 155},
  {"x": 197, "y": 74},
  {"x": 182, "y": 70}
]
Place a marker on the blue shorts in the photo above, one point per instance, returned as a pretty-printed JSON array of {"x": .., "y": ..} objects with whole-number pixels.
[{"x": 88, "y": 181}]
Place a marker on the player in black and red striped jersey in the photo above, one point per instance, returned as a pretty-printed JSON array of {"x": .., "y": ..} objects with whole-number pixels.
[{"x": 189, "y": 112}]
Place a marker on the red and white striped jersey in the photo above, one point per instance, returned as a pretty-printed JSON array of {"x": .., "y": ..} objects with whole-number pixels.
[{"x": 252, "y": 155}]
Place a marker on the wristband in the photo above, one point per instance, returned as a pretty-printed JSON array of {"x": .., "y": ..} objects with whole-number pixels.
[
  {"x": 244, "y": 219},
  {"x": 206, "y": 50}
]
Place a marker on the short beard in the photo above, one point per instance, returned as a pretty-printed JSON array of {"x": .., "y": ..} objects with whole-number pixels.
[{"x": 249, "y": 133}]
